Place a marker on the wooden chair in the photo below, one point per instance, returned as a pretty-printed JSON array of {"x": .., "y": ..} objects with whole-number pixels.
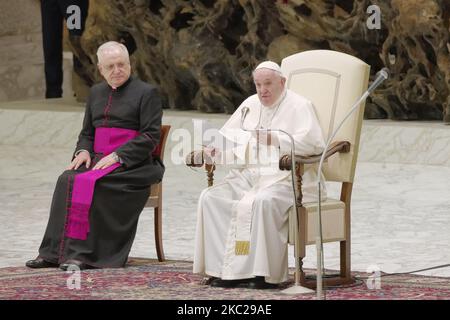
[
  {"x": 333, "y": 81},
  {"x": 155, "y": 199}
]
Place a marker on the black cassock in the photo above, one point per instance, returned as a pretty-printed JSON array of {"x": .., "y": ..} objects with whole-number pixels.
[{"x": 120, "y": 196}]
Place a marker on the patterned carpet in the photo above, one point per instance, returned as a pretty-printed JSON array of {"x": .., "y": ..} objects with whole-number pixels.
[{"x": 173, "y": 280}]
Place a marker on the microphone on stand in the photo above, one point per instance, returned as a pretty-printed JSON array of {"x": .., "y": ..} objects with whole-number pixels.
[
  {"x": 381, "y": 75},
  {"x": 297, "y": 288},
  {"x": 244, "y": 112}
]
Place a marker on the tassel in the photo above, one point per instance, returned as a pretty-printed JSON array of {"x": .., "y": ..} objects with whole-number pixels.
[{"x": 242, "y": 248}]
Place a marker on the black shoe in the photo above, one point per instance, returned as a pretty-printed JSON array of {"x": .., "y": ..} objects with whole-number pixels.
[
  {"x": 260, "y": 283},
  {"x": 51, "y": 94},
  {"x": 40, "y": 263},
  {"x": 207, "y": 281},
  {"x": 226, "y": 283},
  {"x": 73, "y": 264}
]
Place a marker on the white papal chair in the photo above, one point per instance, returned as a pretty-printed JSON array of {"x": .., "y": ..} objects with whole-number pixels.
[{"x": 333, "y": 81}]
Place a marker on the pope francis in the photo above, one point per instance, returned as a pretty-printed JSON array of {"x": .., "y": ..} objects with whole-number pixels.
[{"x": 242, "y": 222}]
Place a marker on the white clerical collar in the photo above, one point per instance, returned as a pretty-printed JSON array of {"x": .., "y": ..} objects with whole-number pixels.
[{"x": 268, "y": 112}]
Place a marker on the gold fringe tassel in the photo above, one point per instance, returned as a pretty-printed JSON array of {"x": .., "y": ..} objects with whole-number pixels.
[{"x": 242, "y": 248}]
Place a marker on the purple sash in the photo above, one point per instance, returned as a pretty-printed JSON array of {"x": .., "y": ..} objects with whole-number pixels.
[{"x": 106, "y": 141}]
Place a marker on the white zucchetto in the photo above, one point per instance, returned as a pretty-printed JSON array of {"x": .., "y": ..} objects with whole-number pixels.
[{"x": 269, "y": 65}]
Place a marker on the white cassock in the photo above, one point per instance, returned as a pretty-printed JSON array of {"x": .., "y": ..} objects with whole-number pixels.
[{"x": 242, "y": 222}]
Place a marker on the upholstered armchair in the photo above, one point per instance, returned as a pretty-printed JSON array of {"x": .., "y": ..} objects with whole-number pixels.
[{"x": 333, "y": 81}]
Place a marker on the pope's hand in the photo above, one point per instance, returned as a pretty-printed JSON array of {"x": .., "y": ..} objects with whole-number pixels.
[{"x": 211, "y": 154}]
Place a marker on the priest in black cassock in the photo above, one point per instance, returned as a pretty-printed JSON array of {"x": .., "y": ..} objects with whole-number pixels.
[{"x": 98, "y": 199}]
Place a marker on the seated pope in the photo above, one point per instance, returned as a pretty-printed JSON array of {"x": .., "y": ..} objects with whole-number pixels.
[
  {"x": 98, "y": 199},
  {"x": 242, "y": 223}
]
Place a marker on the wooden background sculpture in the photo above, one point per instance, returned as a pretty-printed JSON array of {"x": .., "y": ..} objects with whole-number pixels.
[{"x": 201, "y": 52}]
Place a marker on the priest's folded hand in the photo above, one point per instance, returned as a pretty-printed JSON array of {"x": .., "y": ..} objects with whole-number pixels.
[
  {"x": 106, "y": 162},
  {"x": 82, "y": 157}
]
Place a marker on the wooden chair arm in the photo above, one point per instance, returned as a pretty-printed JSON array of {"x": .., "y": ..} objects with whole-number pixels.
[
  {"x": 195, "y": 159},
  {"x": 337, "y": 146},
  {"x": 198, "y": 158}
]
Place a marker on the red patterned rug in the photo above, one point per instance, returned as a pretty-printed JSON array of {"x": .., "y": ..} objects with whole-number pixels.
[{"x": 173, "y": 280}]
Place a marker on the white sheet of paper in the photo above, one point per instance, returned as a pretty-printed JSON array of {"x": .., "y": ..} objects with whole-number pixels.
[{"x": 211, "y": 135}]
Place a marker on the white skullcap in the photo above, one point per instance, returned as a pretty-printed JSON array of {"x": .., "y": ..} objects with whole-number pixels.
[{"x": 269, "y": 65}]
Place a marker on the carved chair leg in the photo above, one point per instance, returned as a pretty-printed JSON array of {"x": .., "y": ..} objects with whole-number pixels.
[
  {"x": 302, "y": 279},
  {"x": 345, "y": 260},
  {"x": 210, "y": 174},
  {"x": 158, "y": 233},
  {"x": 346, "y": 193}
]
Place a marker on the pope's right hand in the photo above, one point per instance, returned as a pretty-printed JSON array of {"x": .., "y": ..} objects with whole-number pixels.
[
  {"x": 82, "y": 157},
  {"x": 211, "y": 154}
]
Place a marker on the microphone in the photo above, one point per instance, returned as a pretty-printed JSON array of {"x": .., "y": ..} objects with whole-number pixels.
[
  {"x": 244, "y": 112},
  {"x": 381, "y": 75}
]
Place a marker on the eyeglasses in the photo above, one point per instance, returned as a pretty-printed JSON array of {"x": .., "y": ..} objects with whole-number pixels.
[{"x": 119, "y": 65}]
